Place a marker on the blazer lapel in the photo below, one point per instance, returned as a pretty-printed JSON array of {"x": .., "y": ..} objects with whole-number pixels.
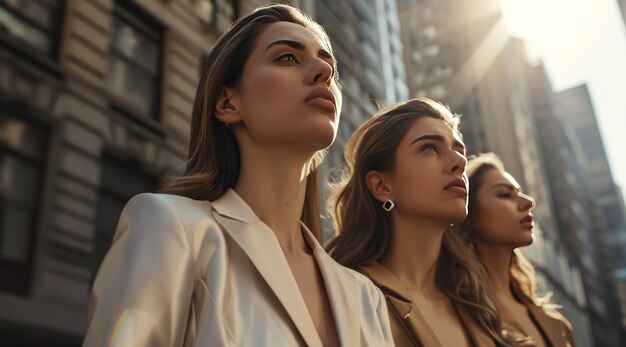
[
  {"x": 551, "y": 327},
  {"x": 398, "y": 300},
  {"x": 342, "y": 293},
  {"x": 258, "y": 241},
  {"x": 478, "y": 337}
]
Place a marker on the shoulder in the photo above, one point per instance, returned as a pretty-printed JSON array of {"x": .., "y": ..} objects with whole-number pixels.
[
  {"x": 168, "y": 210},
  {"x": 556, "y": 315},
  {"x": 170, "y": 205},
  {"x": 164, "y": 201}
]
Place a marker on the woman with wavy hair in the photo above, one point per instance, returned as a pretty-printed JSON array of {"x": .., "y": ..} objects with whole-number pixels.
[
  {"x": 405, "y": 186},
  {"x": 499, "y": 221},
  {"x": 229, "y": 254}
]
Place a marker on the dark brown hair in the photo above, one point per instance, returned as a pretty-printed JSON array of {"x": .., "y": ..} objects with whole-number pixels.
[{"x": 213, "y": 160}]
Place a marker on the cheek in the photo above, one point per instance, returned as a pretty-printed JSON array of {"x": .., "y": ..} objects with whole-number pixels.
[
  {"x": 414, "y": 182},
  {"x": 490, "y": 222},
  {"x": 269, "y": 90},
  {"x": 267, "y": 98}
]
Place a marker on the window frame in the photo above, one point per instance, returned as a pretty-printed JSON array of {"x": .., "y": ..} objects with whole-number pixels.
[
  {"x": 21, "y": 273},
  {"x": 47, "y": 61},
  {"x": 153, "y": 30}
]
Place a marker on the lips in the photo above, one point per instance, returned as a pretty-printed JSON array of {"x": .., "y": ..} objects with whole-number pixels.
[
  {"x": 457, "y": 185},
  {"x": 527, "y": 220},
  {"x": 323, "y": 98},
  {"x": 457, "y": 182}
]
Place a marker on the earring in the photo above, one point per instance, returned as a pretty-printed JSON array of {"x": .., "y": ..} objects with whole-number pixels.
[{"x": 388, "y": 205}]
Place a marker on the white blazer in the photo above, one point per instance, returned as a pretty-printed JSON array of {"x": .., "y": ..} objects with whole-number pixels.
[{"x": 183, "y": 272}]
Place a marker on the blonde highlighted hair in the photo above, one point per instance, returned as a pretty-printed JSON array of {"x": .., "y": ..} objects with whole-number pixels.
[
  {"x": 212, "y": 164},
  {"x": 364, "y": 228},
  {"x": 522, "y": 272}
]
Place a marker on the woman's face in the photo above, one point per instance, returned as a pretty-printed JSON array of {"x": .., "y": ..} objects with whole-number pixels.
[
  {"x": 429, "y": 178},
  {"x": 504, "y": 213},
  {"x": 288, "y": 93}
]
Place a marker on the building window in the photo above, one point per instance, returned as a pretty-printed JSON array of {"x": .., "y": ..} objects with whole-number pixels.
[
  {"x": 22, "y": 159},
  {"x": 35, "y": 23},
  {"x": 419, "y": 79},
  {"x": 416, "y": 57},
  {"x": 121, "y": 180},
  {"x": 431, "y": 51},
  {"x": 438, "y": 92},
  {"x": 428, "y": 34},
  {"x": 426, "y": 15},
  {"x": 135, "y": 62}
]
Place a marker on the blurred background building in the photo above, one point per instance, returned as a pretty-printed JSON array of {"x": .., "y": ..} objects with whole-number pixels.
[
  {"x": 459, "y": 52},
  {"x": 368, "y": 48},
  {"x": 95, "y": 104},
  {"x": 610, "y": 216}
]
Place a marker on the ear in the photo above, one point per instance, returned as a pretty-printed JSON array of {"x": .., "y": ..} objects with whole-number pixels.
[
  {"x": 378, "y": 186},
  {"x": 227, "y": 108}
]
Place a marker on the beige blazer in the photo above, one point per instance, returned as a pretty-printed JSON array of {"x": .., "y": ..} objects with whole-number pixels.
[
  {"x": 409, "y": 327},
  {"x": 183, "y": 272},
  {"x": 556, "y": 330}
]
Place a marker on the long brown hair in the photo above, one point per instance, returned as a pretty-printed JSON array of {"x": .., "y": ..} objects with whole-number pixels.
[
  {"x": 213, "y": 160},
  {"x": 522, "y": 272},
  {"x": 364, "y": 229}
]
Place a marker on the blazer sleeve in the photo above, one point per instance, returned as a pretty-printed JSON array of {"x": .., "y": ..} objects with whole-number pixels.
[
  {"x": 142, "y": 292},
  {"x": 383, "y": 315},
  {"x": 567, "y": 331}
]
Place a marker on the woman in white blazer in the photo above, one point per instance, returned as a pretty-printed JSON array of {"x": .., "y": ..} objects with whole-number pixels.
[{"x": 229, "y": 254}]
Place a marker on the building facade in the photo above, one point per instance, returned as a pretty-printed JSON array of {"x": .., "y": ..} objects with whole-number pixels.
[
  {"x": 574, "y": 206},
  {"x": 95, "y": 105},
  {"x": 609, "y": 211}
]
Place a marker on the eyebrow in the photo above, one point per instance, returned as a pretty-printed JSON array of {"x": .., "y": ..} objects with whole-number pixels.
[
  {"x": 508, "y": 186},
  {"x": 439, "y": 138},
  {"x": 299, "y": 46}
]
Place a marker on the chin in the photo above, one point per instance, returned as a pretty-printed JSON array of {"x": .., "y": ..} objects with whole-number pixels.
[
  {"x": 321, "y": 134},
  {"x": 525, "y": 240}
]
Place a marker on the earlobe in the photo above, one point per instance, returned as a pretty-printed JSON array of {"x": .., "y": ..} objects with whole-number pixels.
[
  {"x": 226, "y": 109},
  {"x": 376, "y": 184}
]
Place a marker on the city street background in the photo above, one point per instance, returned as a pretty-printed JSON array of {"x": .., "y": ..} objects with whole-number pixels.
[{"x": 96, "y": 99}]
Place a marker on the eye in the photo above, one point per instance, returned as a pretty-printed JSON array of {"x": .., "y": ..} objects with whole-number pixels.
[
  {"x": 429, "y": 148},
  {"x": 288, "y": 57},
  {"x": 505, "y": 195}
]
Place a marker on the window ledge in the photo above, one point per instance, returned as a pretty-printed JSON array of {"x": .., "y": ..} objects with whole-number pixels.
[{"x": 32, "y": 56}]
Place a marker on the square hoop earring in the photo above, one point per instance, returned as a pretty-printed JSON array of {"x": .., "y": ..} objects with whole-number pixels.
[{"x": 388, "y": 205}]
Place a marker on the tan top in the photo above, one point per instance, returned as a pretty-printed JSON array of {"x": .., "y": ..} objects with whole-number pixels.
[{"x": 408, "y": 326}]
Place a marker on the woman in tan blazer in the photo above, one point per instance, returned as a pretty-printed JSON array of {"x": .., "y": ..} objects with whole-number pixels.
[
  {"x": 405, "y": 186},
  {"x": 500, "y": 220},
  {"x": 229, "y": 254}
]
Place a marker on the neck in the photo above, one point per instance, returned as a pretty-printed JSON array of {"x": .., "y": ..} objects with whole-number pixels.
[
  {"x": 273, "y": 183},
  {"x": 497, "y": 263},
  {"x": 413, "y": 253}
]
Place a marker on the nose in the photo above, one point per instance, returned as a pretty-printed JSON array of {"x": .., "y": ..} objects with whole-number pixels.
[
  {"x": 323, "y": 72},
  {"x": 527, "y": 202},
  {"x": 459, "y": 162}
]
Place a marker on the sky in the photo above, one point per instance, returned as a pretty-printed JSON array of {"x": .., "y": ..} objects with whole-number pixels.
[{"x": 580, "y": 41}]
